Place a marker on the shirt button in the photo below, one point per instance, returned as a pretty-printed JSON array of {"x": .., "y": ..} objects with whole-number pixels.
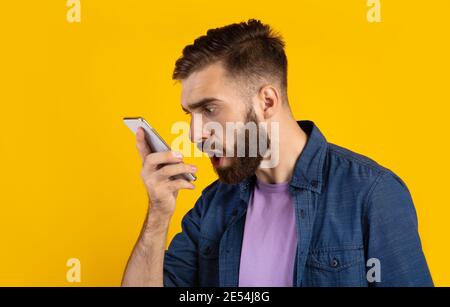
[
  {"x": 334, "y": 263},
  {"x": 314, "y": 183},
  {"x": 207, "y": 250},
  {"x": 302, "y": 213}
]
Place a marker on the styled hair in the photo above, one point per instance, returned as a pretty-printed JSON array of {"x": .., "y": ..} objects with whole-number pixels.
[{"x": 250, "y": 50}]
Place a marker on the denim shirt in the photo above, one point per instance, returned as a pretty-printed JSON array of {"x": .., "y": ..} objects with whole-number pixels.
[{"x": 354, "y": 218}]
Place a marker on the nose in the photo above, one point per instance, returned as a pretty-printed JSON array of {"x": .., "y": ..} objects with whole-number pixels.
[{"x": 196, "y": 133}]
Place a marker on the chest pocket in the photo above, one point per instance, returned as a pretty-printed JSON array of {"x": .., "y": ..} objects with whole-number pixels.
[{"x": 335, "y": 267}]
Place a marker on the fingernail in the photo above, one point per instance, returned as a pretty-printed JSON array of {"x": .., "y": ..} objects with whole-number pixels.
[
  {"x": 193, "y": 168},
  {"x": 177, "y": 154}
]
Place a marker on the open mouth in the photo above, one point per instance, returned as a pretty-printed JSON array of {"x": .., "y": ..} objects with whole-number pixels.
[{"x": 216, "y": 161}]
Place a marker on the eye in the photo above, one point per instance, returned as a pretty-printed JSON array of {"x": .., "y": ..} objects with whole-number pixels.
[{"x": 209, "y": 109}]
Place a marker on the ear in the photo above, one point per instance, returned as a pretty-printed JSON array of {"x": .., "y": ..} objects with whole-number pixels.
[{"x": 270, "y": 100}]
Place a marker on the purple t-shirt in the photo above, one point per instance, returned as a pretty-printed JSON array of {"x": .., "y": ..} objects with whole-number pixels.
[{"x": 270, "y": 238}]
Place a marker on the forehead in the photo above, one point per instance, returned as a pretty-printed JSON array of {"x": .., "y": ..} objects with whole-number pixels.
[{"x": 210, "y": 81}]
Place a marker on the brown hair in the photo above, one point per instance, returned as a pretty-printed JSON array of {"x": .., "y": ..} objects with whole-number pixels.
[{"x": 250, "y": 50}]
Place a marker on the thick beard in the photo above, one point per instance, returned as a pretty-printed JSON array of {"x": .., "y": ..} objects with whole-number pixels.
[{"x": 241, "y": 168}]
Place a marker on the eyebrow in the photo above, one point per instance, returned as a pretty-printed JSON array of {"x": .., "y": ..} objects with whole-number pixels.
[{"x": 200, "y": 103}]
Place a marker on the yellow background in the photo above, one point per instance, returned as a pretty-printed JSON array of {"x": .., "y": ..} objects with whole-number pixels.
[{"x": 70, "y": 185}]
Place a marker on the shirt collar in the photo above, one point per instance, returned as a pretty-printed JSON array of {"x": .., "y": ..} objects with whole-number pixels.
[{"x": 309, "y": 166}]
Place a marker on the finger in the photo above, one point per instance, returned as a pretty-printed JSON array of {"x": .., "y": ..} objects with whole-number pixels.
[
  {"x": 178, "y": 184},
  {"x": 170, "y": 170},
  {"x": 141, "y": 144},
  {"x": 154, "y": 160}
]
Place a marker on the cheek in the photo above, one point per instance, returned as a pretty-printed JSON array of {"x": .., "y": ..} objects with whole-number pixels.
[{"x": 231, "y": 113}]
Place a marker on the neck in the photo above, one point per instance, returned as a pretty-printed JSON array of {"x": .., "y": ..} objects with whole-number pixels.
[{"x": 292, "y": 140}]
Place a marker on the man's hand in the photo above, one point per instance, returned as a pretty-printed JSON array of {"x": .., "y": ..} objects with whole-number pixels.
[
  {"x": 158, "y": 170},
  {"x": 146, "y": 264}
]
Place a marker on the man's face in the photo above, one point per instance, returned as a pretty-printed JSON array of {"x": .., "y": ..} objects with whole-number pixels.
[{"x": 211, "y": 98}]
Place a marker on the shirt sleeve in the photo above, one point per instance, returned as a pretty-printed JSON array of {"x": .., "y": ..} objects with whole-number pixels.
[
  {"x": 180, "y": 260},
  {"x": 391, "y": 235}
]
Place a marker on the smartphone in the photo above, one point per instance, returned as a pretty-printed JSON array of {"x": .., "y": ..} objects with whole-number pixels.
[{"x": 154, "y": 140}]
